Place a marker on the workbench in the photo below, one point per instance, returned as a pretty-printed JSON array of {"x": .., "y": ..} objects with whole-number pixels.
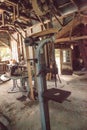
[{"x": 20, "y": 80}]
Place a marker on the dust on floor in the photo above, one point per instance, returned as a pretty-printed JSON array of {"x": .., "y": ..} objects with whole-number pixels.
[{"x": 70, "y": 115}]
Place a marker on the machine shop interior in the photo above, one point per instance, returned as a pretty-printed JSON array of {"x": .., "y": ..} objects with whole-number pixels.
[{"x": 43, "y": 65}]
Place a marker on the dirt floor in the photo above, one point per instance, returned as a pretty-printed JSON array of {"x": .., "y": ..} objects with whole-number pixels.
[{"x": 70, "y": 115}]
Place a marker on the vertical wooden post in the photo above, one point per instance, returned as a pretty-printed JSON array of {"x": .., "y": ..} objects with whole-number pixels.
[
  {"x": 29, "y": 70},
  {"x": 29, "y": 73},
  {"x": 18, "y": 46},
  {"x": 3, "y": 19},
  {"x": 82, "y": 45},
  {"x": 61, "y": 59},
  {"x": 35, "y": 76},
  {"x": 21, "y": 44}
]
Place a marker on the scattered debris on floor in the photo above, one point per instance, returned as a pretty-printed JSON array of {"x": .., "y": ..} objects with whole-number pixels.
[{"x": 70, "y": 115}]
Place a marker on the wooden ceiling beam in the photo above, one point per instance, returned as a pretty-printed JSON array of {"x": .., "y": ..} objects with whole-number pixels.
[
  {"x": 61, "y": 6},
  {"x": 68, "y": 39},
  {"x": 83, "y": 8},
  {"x": 83, "y": 19},
  {"x": 3, "y": 43},
  {"x": 74, "y": 3},
  {"x": 45, "y": 32},
  {"x": 67, "y": 27}
]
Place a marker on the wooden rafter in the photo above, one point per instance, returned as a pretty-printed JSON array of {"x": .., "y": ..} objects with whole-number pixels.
[
  {"x": 67, "y": 27},
  {"x": 41, "y": 21},
  {"x": 72, "y": 25},
  {"x": 45, "y": 32},
  {"x": 84, "y": 20},
  {"x": 61, "y": 6},
  {"x": 74, "y": 3},
  {"x": 3, "y": 43},
  {"x": 12, "y": 36},
  {"x": 83, "y": 8},
  {"x": 67, "y": 39}
]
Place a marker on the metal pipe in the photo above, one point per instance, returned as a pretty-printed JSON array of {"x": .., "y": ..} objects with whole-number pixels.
[
  {"x": 42, "y": 43},
  {"x": 41, "y": 83}
]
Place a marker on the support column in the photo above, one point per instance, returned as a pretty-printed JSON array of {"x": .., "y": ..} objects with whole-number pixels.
[
  {"x": 83, "y": 45},
  {"x": 29, "y": 74}
]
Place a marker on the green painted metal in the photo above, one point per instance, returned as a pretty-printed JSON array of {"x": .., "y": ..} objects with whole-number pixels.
[{"x": 41, "y": 83}]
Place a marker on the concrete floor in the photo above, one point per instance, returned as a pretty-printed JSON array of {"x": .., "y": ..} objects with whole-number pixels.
[{"x": 70, "y": 115}]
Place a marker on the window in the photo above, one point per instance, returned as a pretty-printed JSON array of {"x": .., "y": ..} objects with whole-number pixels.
[
  {"x": 66, "y": 56},
  {"x": 5, "y": 53}
]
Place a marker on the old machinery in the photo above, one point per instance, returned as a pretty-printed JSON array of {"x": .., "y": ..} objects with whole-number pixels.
[{"x": 45, "y": 94}]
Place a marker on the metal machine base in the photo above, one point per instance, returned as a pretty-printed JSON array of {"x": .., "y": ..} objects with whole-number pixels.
[{"x": 57, "y": 95}]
